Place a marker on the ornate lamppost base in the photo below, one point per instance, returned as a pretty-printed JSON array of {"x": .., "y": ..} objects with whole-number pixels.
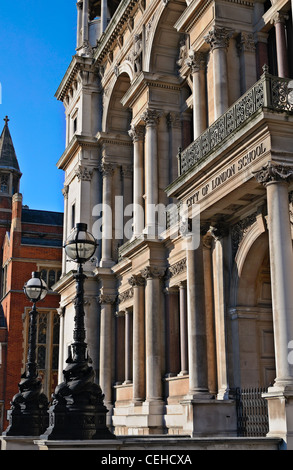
[
  {"x": 78, "y": 411},
  {"x": 29, "y": 410}
]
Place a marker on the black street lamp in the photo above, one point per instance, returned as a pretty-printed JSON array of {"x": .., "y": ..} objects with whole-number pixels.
[
  {"x": 78, "y": 411},
  {"x": 28, "y": 415}
]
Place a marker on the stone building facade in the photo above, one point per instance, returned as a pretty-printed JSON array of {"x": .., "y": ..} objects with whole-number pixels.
[{"x": 186, "y": 107}]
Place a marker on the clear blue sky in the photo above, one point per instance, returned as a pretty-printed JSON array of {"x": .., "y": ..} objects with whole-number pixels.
[{"x": 38, "y": 40}]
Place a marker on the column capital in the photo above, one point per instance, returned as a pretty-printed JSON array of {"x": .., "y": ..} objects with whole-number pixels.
[
  {"x": 65, "y": 191},
  {"x": 83, "y": 173},
  {"x": 106, "y": 168},
  {"x": 273, "y": 173},
  {"x": 279, "y": 17},
  {"x": 127, "y": 171},
  {"x": 218, "y": 37},
  {"x": 153, "y": 272},
  {"x": 219, "y": 231},
  {"x": 136, "y": 133},
  {"x": 136, "y": 280},
  {"x": 107, "y": 299},
  {"x": 151, "y": 117},
  {"x": 196, "y": 61}
]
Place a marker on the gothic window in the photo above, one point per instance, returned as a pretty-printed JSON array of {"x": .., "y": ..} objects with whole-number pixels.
[
  {"x": 4, "y": 183},
  {"x": 50, "y": 276},
  {"x": 47, "y": 348}
]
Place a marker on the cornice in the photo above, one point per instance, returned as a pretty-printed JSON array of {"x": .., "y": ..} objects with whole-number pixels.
[
  {"x": 148, "y": 80},
  {"x": 116, "y": 24},
  {"x": 77, "y": 142},
  {"x": 77, "y": 63}
]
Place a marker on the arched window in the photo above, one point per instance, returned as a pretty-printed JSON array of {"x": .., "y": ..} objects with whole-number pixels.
[{"x": 4, "y": 183}]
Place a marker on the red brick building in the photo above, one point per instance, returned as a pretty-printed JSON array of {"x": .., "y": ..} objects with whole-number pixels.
[{"x": 31, "y": 240}]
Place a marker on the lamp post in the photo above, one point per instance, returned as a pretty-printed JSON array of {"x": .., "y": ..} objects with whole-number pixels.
[
  {"x": 28, "y": 415},
  {"x": 78, "y": 411}
]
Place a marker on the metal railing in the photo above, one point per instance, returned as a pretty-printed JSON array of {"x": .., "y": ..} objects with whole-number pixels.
[
  {"x": 269, "y": 92},
  {"x": 252, "y": 412}
]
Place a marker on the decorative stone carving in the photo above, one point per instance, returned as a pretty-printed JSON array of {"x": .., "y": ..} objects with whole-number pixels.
[
  {"x": 126, "y": 295},
  {"x": 107, "y": 298},
  {"x": 136, "y": 133},
  {"x": 273, "y": 172},
  {"x": 240, "y": 229},
  {"x": 106, "y": 169},
  {"x": 219, "y": 231},
  {"x": 153, "y": 272},
  {"x": 136, "y": 280},
  {"x": 151, "y": 117},
  {"x": 83, "y": 173},
  {"x": 137, "y": 54},
  {"x": 218, "y": 37},
  {"x": 246, "y": 42},
  {"x": 177, "y": 268},
  {"x": 196, "y": 61}
]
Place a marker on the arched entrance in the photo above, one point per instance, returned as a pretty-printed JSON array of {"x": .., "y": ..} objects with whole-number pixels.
[{"x": 252, "y": 321}]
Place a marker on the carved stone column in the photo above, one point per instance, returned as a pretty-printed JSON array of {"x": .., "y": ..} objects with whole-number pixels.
[
  {"x": 279, "y": 21},
  {"x": 85, "y": 22},
  {"x": 137, "y": 134},
  {"x": 128, "y": 346},
  {"x": 106, "y": 335},
  {"x": 172, "y": 331},
  {"x": 183, "y": 329},
  {"x": 138, "y": 283},
  {"x": 153, "y": 333},
  {"x": 151, "y": 119},
  {"x": 197, "y": 346},
  {"x": 218, "y": 38},
  {"x": 219, "y": 232},
  {"x": 197, "y": 63},
  {"x": 104, "y": 15},
  {"x": 210, "y": 314},
  {"x": 107, "y": 172},
  {"x": 275, "y": 178},
  {"x": 79, "y": 24}
]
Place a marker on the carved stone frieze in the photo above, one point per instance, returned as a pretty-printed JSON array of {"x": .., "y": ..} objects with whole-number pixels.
[
  {"x": 177, "y": 268},
  {"x": 239, "y": 230}
]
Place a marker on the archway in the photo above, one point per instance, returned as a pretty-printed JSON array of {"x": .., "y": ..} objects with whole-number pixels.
[{"x": 252, "y": 322}]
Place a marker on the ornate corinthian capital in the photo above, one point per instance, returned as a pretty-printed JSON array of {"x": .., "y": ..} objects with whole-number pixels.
[
  {"x": 218, "y": 37},
  {"x": 107, "y": 298},
  {"x": 153, "y": 272},
  {"x": 273, "y": 173},
  {"x": 136, "y": 133},
  {"x": 151, "y": 117},
  {"x": 136, "y": 280},
  {"x": 196, "y": 61}
]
